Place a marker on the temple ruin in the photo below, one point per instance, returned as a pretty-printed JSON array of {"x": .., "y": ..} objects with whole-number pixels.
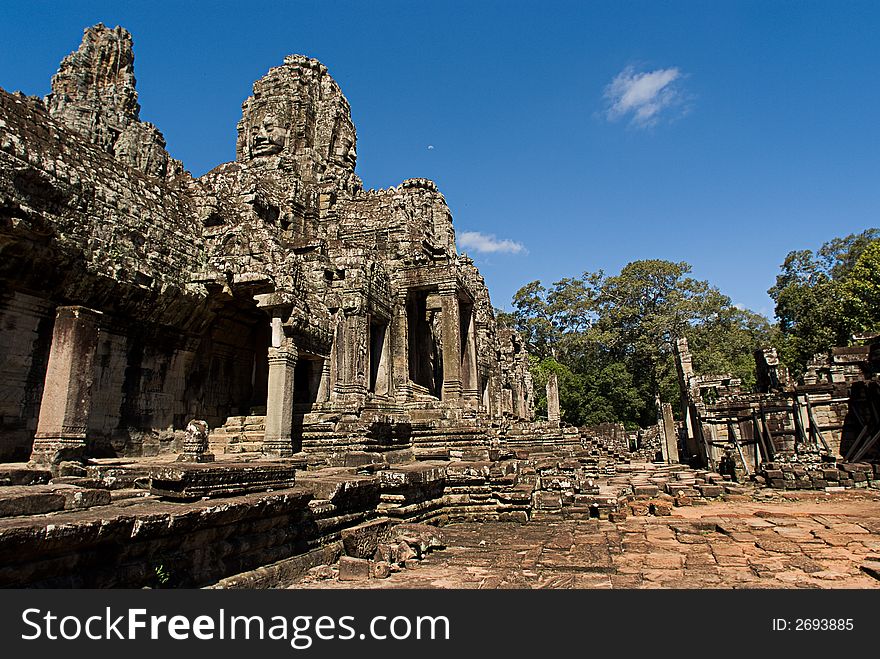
[
  {"x": 240, "y": 379},
  {"x": 274, "y": 298}
]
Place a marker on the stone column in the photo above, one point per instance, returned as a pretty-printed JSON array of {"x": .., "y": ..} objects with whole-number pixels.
[
  {"x": 470, "y": 385},
  {"x": 354, "y": 369},
  {"x": 325, "y": 384},
  {"x": 669, "y": 434},
  {"x": 400, "y": 349},
  {"x": 553, "y": 415},
  {"x": 451, "y": 345},
  {"x": 278, "y": 440},
  {"x": 66, "y": 404}
]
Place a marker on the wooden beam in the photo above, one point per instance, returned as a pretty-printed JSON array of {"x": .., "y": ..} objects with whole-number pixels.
[
  {"x": 768, "y": 438},
  {"x": 742, "y": 456},
  {"x": 867, "y": 447},
  {"x": 814, "y": 427},
  {"x": 855, "y": 444}
]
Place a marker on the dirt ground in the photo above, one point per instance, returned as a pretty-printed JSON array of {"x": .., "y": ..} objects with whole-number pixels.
[{"x": 790, "y": 540}]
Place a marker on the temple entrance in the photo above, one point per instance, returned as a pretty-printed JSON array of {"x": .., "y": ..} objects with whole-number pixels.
[
  {"x": 228, "y": 375},
  {"x": 424, "y": 318},
  {"x": 379, "y": 372},
  {"x": 306, "y": 381},
  {"x": 260, "y": 338}
]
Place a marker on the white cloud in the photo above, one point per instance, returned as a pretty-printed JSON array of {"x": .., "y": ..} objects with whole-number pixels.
[
  {"x": 644, "y": 96},
  {"x": 480, "y": 242}
]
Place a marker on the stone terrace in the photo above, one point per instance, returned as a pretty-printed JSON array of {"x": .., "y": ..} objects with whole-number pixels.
[{"x": 799, "y": 540}]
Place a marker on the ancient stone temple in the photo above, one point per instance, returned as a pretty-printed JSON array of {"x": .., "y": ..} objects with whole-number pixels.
[
  {"x": 274, "y": 298},
  {"x": 269, "y": 376}
]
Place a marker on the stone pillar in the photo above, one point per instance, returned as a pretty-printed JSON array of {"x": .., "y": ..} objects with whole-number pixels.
[
  {"x": 670, "y": 436},
  {"x": 66, "y": 404},
  {"x": 470, "y": 377},
  {"x": 451, "y": 345},
  {"x": 325, "y": 384},
  {"x": 278, "y": 440},
  {"x": 354, "y": 369},
  {"x": 400, "y": 349},
  {"x": 553, "y": 415}
]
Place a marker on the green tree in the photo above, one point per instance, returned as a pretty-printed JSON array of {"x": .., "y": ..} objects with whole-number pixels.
[
  {"x": 611, "y": 339},
  {"x": 860, "y": 291},
  {"x": 810, "y": 293}
]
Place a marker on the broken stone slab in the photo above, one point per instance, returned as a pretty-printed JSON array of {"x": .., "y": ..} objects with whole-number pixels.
[
  {"x": 362, "y": 541},
  {"x": 467, "y": 472},
  {"x": 871, "y": 567},
  {"x": 521, "y": 494},
  {"x": 89, "y": 483},
  {"x": 79, "y": 497},
  {"x": 67, "y": 469},
  {"x": 422, "y": 536},
  {"x": 21, "y": 474},
  {"x": 18, "y": 500},
  {"x": 710, "y": 490},
  {"x": 645, "y": 490},
  {"x": 548, "y": 501},
  {"x": 356, "y": 459},
  {"x": 345, "y": 490},
  {"x": 184, "y": 480},
  {"x": 421, "y": 473},
  {"x": 402, "y": 553}
]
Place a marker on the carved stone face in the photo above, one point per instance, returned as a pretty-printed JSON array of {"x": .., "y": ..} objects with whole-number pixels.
[
  {"x": 345, "y": 151},
  {"x": 267, "y": 136}
]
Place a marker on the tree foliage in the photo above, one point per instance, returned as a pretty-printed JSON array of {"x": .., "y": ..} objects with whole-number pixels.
[
  {"x": 610, "y": 339},
  {"x": 823, "y": 297}
]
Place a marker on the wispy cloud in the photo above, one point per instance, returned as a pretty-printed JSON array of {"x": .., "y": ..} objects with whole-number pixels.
[
  {"x": 645, "y": 97},
  {"x": 480, "y": 242}
]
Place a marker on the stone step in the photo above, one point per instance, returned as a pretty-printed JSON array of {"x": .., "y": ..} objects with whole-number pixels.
[{"x": 18, "y": 500}]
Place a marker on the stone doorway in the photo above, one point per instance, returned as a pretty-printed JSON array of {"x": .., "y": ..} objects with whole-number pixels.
[{"x": 424, "y": 317}]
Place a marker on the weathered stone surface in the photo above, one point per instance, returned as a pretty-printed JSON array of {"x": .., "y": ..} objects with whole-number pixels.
[
  {"x": 380, "y": 343},
  {"x": 354, "y": 569},
  {"x": 345, "y": 490},
  {"x": 188, "y": 481},
  {"x": 21, "y": 500},
  {"x": 12, "y": 474},
  {"x": 195, "y": 443},
  {"x": 422, "y": 536},
  {"x": 362, "y": 541}
]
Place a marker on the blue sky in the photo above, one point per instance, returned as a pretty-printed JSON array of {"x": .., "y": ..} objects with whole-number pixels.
[{"x": 584, "y": 134}]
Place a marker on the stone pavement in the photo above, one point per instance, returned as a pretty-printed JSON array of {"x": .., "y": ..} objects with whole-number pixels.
[{"x": 795, "y": 540}]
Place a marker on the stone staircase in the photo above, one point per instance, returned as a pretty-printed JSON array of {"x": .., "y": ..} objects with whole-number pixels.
[{"x": 239, "y": 434}]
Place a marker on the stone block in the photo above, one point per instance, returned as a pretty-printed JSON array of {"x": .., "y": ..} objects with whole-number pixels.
[
  {"x": 189, "y": 480},
  {"x": 23, "y": 475},
  {"x": 710, "y": 491},
  {"x": 362, "y": 541},
  {"x": 77, "y": 497},
  {"x": 29, "y": 500},
  {"x": 548, "y": 501},
  {"x": 354, "y": 569},
  {"x": 649, "y": 490}
]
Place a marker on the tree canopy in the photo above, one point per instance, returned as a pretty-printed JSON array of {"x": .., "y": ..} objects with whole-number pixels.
[
  {"x": 824, "y": 297},
  {"x": 610, "y": 339}
]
